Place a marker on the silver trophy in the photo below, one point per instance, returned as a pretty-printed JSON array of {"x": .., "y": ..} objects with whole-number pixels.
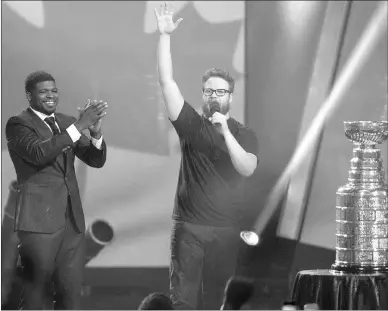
[{"x": 362, "y": 204}]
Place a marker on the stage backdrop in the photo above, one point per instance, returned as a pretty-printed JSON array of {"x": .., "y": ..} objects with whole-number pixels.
[
  {"x": 365, "y": 100},
  {"x": 107, "y": 50}
]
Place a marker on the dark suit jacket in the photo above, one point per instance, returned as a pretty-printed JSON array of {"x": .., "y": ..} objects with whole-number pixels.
[{"x": 45, "y": 184}]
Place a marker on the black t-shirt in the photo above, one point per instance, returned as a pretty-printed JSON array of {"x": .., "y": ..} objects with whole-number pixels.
[{"x": 210, "y": 190}]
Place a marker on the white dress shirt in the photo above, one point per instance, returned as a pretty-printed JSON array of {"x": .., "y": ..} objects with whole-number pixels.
[{"x": 74, "y": 134}]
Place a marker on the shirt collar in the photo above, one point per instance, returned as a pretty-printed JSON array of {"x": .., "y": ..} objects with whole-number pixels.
[{"x": 41, "y": 115}]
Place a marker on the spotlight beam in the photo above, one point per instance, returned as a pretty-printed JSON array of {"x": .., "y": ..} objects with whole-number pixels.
[{"x": 368, "y": 41}]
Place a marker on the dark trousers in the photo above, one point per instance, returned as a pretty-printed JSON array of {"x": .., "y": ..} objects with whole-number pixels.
[
  {"x": 52, "y": 263},
  {"x": 203, "y": 258}
]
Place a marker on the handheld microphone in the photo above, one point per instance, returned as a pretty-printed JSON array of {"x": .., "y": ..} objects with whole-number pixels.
[
  {"x": 214, "y": 109},
  {"x": 238, "y": 291}
]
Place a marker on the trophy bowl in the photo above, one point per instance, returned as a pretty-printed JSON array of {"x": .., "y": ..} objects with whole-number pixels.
[{"x": 366, "y": 132}]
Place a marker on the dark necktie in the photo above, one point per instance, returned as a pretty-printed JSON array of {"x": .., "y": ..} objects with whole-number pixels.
[{"x": 51, "y": 122}]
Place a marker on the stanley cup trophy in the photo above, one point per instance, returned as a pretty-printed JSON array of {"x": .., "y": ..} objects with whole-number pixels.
[{"x": 362, "y": 204}]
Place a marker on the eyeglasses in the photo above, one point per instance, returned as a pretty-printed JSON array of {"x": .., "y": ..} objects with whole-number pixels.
[{"x": 219, "y": 92}]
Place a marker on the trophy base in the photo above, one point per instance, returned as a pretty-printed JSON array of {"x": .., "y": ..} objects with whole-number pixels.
[{"x": 357, "y": 269}]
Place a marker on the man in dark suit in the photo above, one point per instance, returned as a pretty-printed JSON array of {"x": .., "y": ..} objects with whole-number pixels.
[{"x": 49, "y": 218}]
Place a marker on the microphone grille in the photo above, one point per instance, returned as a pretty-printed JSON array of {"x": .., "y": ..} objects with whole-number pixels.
[{"x": 214, "y": 109}]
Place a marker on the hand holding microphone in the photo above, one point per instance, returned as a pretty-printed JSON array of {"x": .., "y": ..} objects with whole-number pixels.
[
  {"x": 214, "y": 109},
  {"x": 218, "y": 119}
]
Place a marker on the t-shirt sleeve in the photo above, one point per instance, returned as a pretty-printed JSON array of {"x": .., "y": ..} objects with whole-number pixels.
[
  {"x": 188, "y": 122},
  {"x": 249, "y": 142}
]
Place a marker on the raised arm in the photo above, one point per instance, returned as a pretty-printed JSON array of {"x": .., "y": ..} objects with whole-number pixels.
[
  {"x": 88, "y": 153},
  {"x": 173, "y": 98}
]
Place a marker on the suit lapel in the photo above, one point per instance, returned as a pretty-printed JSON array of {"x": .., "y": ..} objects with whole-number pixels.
[
  {"x": 41, "y": 127},
  {"x": 44, "y": 131}
]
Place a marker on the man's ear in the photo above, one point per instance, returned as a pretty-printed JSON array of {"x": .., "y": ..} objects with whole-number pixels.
[
  {"x": 29, "y": 96},
  {"x": 231, "y": 97}
]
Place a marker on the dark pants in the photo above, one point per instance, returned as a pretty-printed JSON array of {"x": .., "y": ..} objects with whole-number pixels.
[
  {"x": 203, "y": 258},
  {"x": 52, "y": 263}
]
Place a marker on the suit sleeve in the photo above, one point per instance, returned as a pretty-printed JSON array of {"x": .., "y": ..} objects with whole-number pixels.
[
  {"x": 23, "y": 140},
  {"x": 88, "y": 153}
]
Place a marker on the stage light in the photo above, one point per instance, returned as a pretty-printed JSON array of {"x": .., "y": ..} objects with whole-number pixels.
[
  {"x": 98, "y": 235},
  {"x": 250, "y": 237}
]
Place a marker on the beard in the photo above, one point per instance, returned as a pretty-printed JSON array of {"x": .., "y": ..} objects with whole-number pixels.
[{"x": 210, "y": 106}]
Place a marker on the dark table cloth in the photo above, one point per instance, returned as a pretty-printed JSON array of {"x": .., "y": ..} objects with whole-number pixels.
[{"x": 334, "y": 291}]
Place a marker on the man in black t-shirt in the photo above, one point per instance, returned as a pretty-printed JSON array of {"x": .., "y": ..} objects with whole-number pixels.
[{"x": 217, "y": 154}]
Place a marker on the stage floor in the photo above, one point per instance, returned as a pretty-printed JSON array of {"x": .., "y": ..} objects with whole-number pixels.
[{"x": 125, "y": 288}]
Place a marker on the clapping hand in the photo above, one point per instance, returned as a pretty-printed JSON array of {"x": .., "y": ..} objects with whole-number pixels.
[
  {"x": 95, "y": 129},
  {"x": 91, "y": 116}
]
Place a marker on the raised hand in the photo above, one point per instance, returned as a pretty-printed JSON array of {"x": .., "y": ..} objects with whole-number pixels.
[
  {"x": 95, "y": 128},
  {"x": 92, "y": 113},
  {"x": 164, "y": 19}
]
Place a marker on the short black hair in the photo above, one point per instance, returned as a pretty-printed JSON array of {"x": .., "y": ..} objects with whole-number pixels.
[
  {"x": 156, "y": 301},
  {"x": 36, "y": 77},
  {"x": 220, "y": 73}
]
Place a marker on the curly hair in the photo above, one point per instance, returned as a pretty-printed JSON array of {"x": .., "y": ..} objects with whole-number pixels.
[{"x": 36, "y": 77}]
